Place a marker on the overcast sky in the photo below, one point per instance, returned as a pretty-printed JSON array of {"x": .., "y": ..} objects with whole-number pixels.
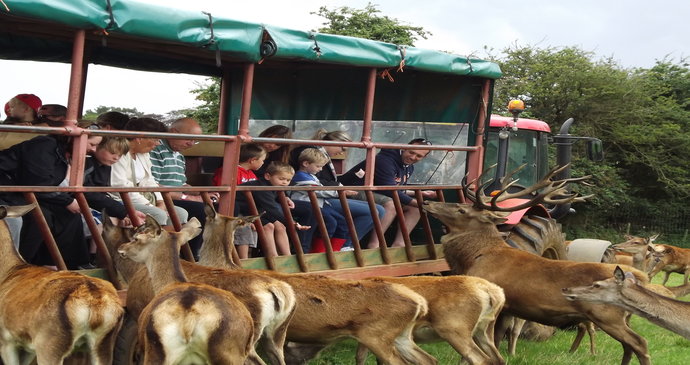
[{"x": 635, "y": 33}]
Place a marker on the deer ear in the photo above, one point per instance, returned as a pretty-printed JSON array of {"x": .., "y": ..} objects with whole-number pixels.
[
  {"x": 631, "y": 276},
  {"x": 251, "y": 218},
  {"x": 15, "y": 210},
  {"x": 619, "y": 275},
  {"x": 151, "y": 226},
  {"x": 210, "y": 211},
  {"x": 628, "y": 237},
  {"x": 653, "y": 238},
  {"x": 190, "y": 229},
  {"x": 495, "y": 217}
]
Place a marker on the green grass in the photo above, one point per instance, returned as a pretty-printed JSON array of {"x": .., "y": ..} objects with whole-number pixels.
[{"x": 665, "y": 347}]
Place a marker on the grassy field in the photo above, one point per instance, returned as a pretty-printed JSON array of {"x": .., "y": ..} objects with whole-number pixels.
[{"x": 665, "y": 347}]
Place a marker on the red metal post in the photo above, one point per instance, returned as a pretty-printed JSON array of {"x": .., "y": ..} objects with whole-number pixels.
[{"x": 475, "y": 158}]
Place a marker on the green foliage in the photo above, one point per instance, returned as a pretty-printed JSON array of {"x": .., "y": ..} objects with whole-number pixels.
[
  {"x": 207, "y": 113},
  {"x": 92, "y": 114},
  {"x": 367, "y": 23},
  {"x": 641, "y": 115}
]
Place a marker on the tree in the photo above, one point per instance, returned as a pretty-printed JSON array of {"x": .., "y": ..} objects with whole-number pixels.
[
  {"x": 366, "y": 23},
  {"x": 642, "y": 116}
]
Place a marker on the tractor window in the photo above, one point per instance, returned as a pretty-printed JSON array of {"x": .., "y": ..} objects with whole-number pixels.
[{"x": 525, "y": 147}]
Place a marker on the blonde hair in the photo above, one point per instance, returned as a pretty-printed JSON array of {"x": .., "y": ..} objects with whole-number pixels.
[
  {"x": 117, "y": 145},
  {"x": 323, "y": 135},
  {"x": 276, "y": 167},
  {"x": 312, "y": 155}
]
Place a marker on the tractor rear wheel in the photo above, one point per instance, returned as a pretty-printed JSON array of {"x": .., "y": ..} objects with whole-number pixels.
[
  {"x": 127, "y": 351},
  {"x": 538, "y": 235}
]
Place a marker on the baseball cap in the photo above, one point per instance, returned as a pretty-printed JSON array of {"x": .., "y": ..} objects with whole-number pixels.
[{"x": 33, "y": 101}]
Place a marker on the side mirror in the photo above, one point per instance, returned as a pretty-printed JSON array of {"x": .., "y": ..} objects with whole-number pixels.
[{"x": 595, "y": 150}]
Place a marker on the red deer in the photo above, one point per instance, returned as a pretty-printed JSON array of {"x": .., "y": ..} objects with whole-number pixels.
[
  {"x": 532, "y": 284},
  {"x": 639, "y": 248},
  {"x": 462, "y": 311},
  {"x": 47, "y": 313},
  {"x": 185, "y": 322},
  {"x": 271, "y": 302},
  {"x": 623, "y": 290},
  {"x": 670, "y": 259},
  {"x": 329, "y": 310}
]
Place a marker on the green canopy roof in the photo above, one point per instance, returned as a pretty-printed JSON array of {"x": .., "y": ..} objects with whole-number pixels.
[{"x": 132, "y": 34}]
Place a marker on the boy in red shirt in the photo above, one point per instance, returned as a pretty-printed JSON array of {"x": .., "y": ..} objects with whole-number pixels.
[{"x": 252, "y": 157}]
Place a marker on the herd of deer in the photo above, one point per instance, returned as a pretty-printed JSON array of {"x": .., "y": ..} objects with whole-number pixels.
[{"x": 214, "y": 312}]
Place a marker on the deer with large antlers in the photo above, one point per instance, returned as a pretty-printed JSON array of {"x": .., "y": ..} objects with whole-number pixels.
[
  {"x": 272, "y": 302},
  {"x": 624, "y": 290},
  {"x": 532, "y": 284},
  {"x": 46, "y": 314},
  {"x": 185, "y": 323},
  {"x": 379, "y": 315}
]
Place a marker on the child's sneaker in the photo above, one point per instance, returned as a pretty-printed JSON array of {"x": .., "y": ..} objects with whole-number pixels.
[{"x": 348, "y": 248}]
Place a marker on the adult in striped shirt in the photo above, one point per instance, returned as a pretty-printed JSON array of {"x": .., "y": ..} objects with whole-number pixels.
[{"x": 169, "y": 169}]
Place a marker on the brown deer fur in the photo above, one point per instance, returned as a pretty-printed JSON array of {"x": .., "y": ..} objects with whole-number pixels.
[
  {"x": 271, "y": 302},
  {"x": 531, "y": 283},
  {"x": 670, "y": 259},
  {"x": 462, "y": 311},
  {"x": 623, "y": 290},
  {"x": 379, "y": 315},
  {"x": 47, "y": 313},
  {"x": 185, "y": 322},
  {"x": 639, "y": 248}
]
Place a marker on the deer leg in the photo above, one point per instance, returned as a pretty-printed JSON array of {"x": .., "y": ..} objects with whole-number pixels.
[
  {"x": 300, "y": 353},
  {"x": 685, "y": 277},
  {"x": 10, "y": 354},
  {"x": 612, "y": 321},
  {"x": 483, "y": 337},
  {"x": 101, "y": 352},
  {"x": 591, "y": 331},
  {"x": 503, "y": 322},
  {"x": 667, "y": 274},
  {"x": 362, "y": 353},
  {"x": 253, "y": 358},
  {"x": 578, "y": 338},
  {"x": 514, "y": 334}
]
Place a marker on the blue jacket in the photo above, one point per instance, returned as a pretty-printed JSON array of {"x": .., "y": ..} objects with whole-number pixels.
[{"x": 389, "y": 170}]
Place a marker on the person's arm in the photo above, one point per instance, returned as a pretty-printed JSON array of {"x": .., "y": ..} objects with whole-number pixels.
[
  {"x": 266, "y": 201},
  {"x": 100, "y": 176}
]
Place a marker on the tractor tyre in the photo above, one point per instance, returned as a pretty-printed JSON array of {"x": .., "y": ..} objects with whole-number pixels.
[
  {"x": 538, "y": 235},
  {"x": 127, "y": 351}
]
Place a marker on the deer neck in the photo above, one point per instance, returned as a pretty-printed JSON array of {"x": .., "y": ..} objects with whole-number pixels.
[
  {"x": 666, "y": 312},
  {"x": 217, "y": 248},
  {"x": 164, "y": 266},
  {"x": 461, "y": 247},
  {"x": 9, "y": 257}
]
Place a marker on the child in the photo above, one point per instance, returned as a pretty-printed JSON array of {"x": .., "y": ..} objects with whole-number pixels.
[
  {"x": 97, "y": 173},
  {"x": 277, "y": 174},
  {"x": 310, "y": 162},
  {"x": 252, "y": 157}
]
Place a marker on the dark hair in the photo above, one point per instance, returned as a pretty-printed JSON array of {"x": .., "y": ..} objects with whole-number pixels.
[
  {"x": 251, "y": 150},
  {"x": 282, "y": 154},
  {"x": 115, "y": 120},
  {"x": 423, "y": 141},
  {"x": 58, "y": 110},
  {"x": 145, "y": 125}
]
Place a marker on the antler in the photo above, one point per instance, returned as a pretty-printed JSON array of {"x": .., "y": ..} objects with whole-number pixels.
[{"x": 552, "y": 192}]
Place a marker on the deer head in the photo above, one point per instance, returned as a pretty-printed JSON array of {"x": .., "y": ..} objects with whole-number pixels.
[
  {"x": 545, "y": 191},
  {"x": 150, "y": 235},
  {"x": 603, "y": 291},
  {"x": 634, "y": 244},
  {"x": 458, "y": 216}
]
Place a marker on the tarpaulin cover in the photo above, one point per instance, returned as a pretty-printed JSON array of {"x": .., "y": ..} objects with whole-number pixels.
[{"x": 235, "y": 39}]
